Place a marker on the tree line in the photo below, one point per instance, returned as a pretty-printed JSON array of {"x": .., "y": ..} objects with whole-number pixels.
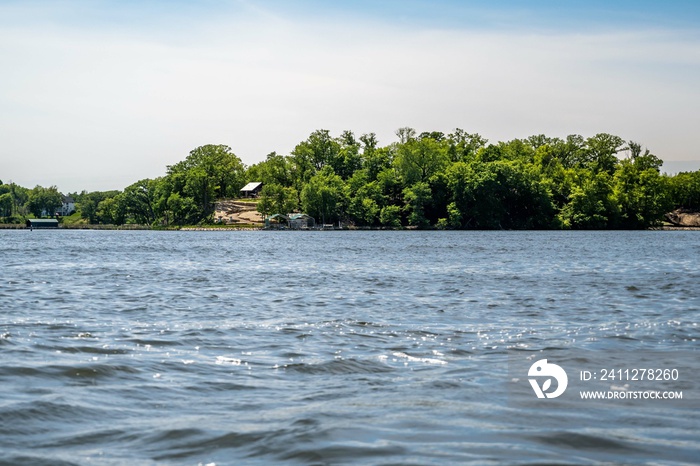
[{"x": 427, "y": 180}]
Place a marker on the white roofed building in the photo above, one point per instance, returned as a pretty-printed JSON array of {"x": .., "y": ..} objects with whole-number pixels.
[{"x": 251, "y": 189}]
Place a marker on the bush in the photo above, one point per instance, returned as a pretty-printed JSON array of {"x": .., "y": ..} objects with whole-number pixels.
[{"x": 390, "y": 216}]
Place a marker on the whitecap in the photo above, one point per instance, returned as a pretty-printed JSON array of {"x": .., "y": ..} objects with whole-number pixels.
[
  {"x": 225, "y": 360},
  {"x": 415, "y": 359}
]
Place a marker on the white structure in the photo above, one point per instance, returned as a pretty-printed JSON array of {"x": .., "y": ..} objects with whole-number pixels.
[
  {"x": 68, "y": 205},
  {"x": 251, "y": 189},
  {"x": 301, "y": 221}
]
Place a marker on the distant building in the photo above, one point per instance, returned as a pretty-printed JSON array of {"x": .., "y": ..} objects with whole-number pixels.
[
  {"x": 68, "y": 205},
  {"x": 33, "y": 223},
  {"x": 276, "y": 221},
  {"x": 301, "y": 221},
  {"x": 251, "y": 189},
  {"x": 67, "y": 208},
  {"x": 293, "y": 221}
]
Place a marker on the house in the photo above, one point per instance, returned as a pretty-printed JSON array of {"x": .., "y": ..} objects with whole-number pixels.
[
  {"x": 301, "y": 221},
  {"x": 67, "y": 206},
  {"x": 293, "y": 221},
  {"x": 276, "y": 221},
  {"x": 251, "y": 189}
]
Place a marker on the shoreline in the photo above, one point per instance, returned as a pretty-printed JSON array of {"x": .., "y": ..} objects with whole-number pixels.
[{"x": 250, "y": 228}]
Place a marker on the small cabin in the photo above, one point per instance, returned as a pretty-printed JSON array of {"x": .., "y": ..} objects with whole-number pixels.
[
  {"x": 301, "y": 221},
  {"x": 252, "y": 189},
  {"x": 33, "y": 223},
  {"x": 276, "y": 221}
]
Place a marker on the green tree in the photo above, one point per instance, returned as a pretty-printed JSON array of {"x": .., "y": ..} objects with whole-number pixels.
[
  {"x": 310, "y": 156},
  {"x": 210, "y": 172},
  {"x": 601, "y": 152},
  {"x": 518, "y": 149},
  {"x": 553, "y": 175},
  {"x": 464, "y": 146},
  {"x": 369, "y": 143},
  {"x": 417, "y": 197},
  {"x": 454, "y": 216},
  {"x": 44, "y": 201},
  {"x": 20, "y": 198},
  {"x": 685, "y": 190},
  {"x": 277, "y": 199},
  {"x": 450, "y": 181},
  {"x": 88, "y": 209},
  {"x": 569, "y": 152},
  {"x": 418, "y": 159},
  {"x": 363, "y": 210},
  {"x": 591, "y": 203},
  {"x": 437, "y": 136},
  {"x": 266, "y": 205},
  {"x": 498, "y": 195},
  {"x": 643, "y": 160},
  {"x": 390, "y": 216},
  {"x": 323, "y": 197},
  {"x": 182, "y": 209},
  {"x": 377, "y": 160},
  {"x": 390, "y": 185},
  {"x": 111, "y": 211},
  {"x": 88, "y": 203},
  {"x": 348, "y": 159},
  {"x": 275, "y": 169},
  {"x": 538, "y": 140},
  {"x": 365, "y": 199},
  {"x": 642, "y": 194},
  {"x": 405, "y": 134},
  {"x": 14, "y": 201},
  {"x": 6, "y": 204},
  {"x": 140, "y": 201}
]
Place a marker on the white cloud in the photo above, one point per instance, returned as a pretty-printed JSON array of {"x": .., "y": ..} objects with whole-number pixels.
[{"x": 101, "y": 108}]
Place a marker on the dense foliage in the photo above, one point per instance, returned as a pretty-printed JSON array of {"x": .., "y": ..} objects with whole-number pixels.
[
  {"x": 433, "y": 180},
  {"x": 427, "y": 180}
]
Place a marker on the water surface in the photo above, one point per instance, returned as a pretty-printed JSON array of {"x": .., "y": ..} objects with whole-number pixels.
[{"x": 141, "y": 347}]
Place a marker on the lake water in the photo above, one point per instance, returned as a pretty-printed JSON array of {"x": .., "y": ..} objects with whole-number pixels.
[{"x": 378, "y": 347}]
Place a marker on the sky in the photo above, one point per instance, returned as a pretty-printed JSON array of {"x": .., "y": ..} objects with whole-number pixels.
[{"x": 98, "y": 94}]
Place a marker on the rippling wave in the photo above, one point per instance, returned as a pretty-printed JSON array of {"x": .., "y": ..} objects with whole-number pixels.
[{"x": 332, "y": 348}]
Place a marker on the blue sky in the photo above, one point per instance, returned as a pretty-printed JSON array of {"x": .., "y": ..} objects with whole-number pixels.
[
  {"x": 99, "y": 94},
  {"x": 532, "y": 14}
]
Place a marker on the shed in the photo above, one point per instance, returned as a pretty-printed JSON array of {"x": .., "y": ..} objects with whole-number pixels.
[
  {"x": 301, "y": 221},
  {"x": 251, "y": 189},
  {"x": 276, "y": 221},
  {"x": 42, "y": 223}
]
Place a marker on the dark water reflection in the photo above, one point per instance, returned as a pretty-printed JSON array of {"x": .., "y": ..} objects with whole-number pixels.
[{"x": 331, "y": 347}]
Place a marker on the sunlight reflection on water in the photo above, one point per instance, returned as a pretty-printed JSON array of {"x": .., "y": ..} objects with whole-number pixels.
[{"x": 334, "y": 347}]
